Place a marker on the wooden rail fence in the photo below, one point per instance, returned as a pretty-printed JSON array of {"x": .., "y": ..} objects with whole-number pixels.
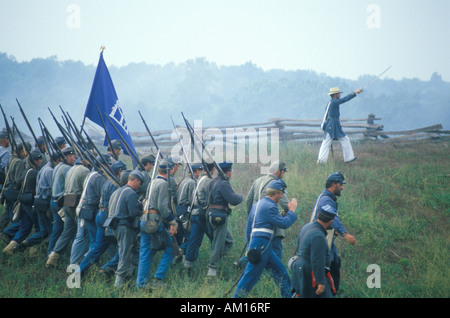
[{"x": 286, "y": 128}]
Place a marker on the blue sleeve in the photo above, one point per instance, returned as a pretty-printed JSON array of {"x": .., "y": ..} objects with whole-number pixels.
[
  {"x": 338, "y": 226},
  {"x": 133, "y": 205},
  {"x": 319, "y": 250},
  {"x": 282, "y": 222},
  {"x": 229, "y": 195},
  {"x": 346, "y": 98}
]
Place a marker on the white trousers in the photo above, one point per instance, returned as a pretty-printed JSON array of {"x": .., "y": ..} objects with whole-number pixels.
[{"x": 324, "y": 151}]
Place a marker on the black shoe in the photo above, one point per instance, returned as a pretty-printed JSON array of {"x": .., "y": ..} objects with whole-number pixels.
[{"x": 351, "y": 160}]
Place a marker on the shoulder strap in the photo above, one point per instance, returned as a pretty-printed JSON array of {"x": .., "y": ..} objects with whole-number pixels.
[
  {"x": 313, "y": 214},
  {"x": 196, "y": 190},
  {"x": 147, "y": 201},
  {"x": 325, "y": 116},
  {"x": 261, "y": 187}
]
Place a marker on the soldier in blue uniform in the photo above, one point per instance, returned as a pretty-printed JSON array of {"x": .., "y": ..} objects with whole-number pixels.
[
  {"x": 310, "y": 273},
  {"x": 220, "y": 196},
  {"x": 328, "y": 197},
  {"x": 262, "y": 222},
  {"x": 333, "y": 129}
]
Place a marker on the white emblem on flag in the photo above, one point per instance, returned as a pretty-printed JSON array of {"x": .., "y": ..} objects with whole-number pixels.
[{"x": 120, "y": 119}]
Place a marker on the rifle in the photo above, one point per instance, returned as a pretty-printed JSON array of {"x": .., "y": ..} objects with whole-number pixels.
[
  {"x": 184, "y": 152},
  {"x": 176, "y": 248},
  {"x": 29, "y": 126},
  {"x": 73, "y": 127},
  {"x": 200, "y": 154},
  {"x": 10, "y": 133},
  {"x": 23, "y": 144},
  {"x": 87, "y": 155},
  {"x": 131, "y": 152},
  {"x": 204, "y": 148},
  {"x": 151, "y": 136},
  {"x": 49, "y": 139}
]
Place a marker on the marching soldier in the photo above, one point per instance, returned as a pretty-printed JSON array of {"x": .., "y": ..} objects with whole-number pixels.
[
  {"x": 158, "y": 227},
  {"x": 42, "y": 203},
  {"x": 73, "y": 187},
  {"x": 185, "y": 196},
  {"x": 258, "y": 191},
  {"x": 88, "y": 208},
  {"x": 20, "y": 230},
  {"x": 333, "y": 187},
  {"x": 263, "y": 220},
  {"x": 126, "y": 208},
  {"x": 198, "y": 218},
  {"x": 220, "y": 196},
  {"x": 102, "y": 243},
  {"x": 57, "y": 201},
  {"x": 310, "y": 265},
  {"x": 15, "y": 175}
]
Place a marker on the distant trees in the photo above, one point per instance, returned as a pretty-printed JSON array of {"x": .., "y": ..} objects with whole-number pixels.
[{"x": 216, "y": 94}]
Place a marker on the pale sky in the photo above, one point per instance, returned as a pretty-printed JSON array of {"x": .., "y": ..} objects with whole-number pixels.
[{"x": 344, "y": 38}]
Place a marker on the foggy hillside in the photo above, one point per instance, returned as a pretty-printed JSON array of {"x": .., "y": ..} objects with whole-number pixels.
[{"x": 218, "y": 95}]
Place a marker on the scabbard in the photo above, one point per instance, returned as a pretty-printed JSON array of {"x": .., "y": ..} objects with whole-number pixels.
[{"x": 333, "y": 287}]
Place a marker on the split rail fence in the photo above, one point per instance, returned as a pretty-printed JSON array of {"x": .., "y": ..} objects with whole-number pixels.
[{"x": 305, "y": 130}]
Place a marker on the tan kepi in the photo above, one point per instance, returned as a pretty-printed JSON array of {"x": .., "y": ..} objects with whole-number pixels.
[{"x": 334, "y": 90}]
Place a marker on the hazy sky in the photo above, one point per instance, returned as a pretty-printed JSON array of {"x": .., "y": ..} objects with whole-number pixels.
[{"x": 345, "y": 38}]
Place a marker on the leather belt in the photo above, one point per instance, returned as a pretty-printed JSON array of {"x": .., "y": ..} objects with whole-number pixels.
[
  {"x": 151, "y": 211},
  {"x": 217, "y": 206}
]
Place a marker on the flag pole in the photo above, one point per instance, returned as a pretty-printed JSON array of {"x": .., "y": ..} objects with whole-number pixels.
[{"x": 102, "y": 48}]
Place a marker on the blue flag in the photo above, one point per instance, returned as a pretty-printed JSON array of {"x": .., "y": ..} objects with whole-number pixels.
[{"x": 103, "y": 95}]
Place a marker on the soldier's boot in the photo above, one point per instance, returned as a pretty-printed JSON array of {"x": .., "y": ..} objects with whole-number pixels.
[
  {"x": 11, "y": 248},
  {"x": 212, "y": 272},
  {"x": 52, "y": 260},
  {"x": 33, "y": 252},
  {"x": 119, "y": 282}
]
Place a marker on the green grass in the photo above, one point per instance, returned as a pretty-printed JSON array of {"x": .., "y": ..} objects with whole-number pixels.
[{"x": 396, "y": 203}]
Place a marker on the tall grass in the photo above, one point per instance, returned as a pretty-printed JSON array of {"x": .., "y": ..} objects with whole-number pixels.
[{"x": 396, "y": 203}]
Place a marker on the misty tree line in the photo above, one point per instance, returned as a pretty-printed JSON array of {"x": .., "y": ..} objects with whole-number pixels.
[{"x": 219, "y": 95}]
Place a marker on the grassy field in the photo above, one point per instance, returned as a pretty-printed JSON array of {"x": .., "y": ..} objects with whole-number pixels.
[{"x": 396, "y": 203}]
